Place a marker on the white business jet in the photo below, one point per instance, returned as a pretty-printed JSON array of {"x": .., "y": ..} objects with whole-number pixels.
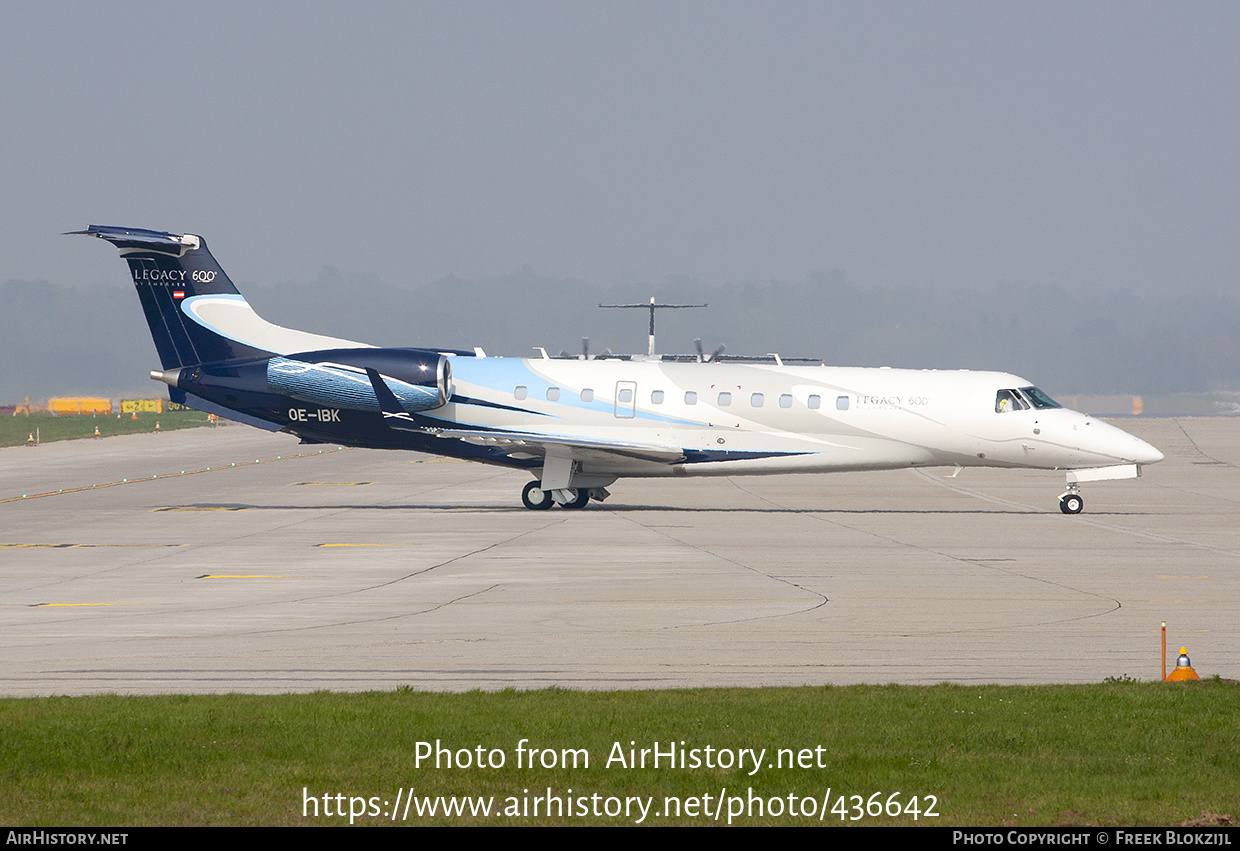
[{"x": 578, "y": 425}]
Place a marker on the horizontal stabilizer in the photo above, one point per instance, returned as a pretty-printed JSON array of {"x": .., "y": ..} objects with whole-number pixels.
[{"x": 149, "y": 240}]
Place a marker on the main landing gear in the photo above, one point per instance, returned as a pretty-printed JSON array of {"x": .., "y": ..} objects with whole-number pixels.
[
  {"x": 537, "y": 499},
  {"x": 1071, "y": 502}
]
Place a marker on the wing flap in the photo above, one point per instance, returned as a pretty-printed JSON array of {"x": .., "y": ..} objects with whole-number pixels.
[{"x": 581, "y": 447}]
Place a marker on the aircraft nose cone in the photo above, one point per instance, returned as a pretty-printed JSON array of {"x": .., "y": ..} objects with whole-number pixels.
[
  {"x": 1123, "y": 446},
  {"x": 1146, "y": 454},
  {"x": 1135, "y": 450}
]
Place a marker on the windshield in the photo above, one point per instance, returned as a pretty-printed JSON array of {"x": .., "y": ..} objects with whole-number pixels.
[{"x": 1038, "y": 398}]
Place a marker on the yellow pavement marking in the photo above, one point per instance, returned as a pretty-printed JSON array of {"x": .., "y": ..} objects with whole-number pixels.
[
  {"x": 80, "y": 605},
  {"x": 243, "y": 576},
  {"x": 329, "y": 484},
  {"x": 360, "y": 545}
]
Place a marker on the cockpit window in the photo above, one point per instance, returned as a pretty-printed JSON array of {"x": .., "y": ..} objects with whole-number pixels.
[
  {"x": 1038, "y": 398},
  {"x": 1009, "y": 400}
]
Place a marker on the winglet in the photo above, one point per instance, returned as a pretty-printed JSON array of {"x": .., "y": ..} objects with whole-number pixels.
[{"x": 394, "y": 416}]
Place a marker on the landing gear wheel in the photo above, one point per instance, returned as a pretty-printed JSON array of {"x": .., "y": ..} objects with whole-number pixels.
[
  {"x": 580, "y": 500},
  {"x": 535, "y": 498},
  {"x": 1071, "y": 503}
]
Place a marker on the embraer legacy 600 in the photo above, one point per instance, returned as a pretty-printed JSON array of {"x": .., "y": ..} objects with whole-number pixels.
[{"x": 579, "y": 424}]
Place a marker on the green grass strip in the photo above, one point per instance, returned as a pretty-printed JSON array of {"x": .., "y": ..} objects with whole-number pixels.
[
  {"x": 17, "y": 430},
  {"x": 1117, "y": 753}
]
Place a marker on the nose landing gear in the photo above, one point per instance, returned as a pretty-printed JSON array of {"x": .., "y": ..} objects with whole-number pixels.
[{"x": 1071, "y": 501}]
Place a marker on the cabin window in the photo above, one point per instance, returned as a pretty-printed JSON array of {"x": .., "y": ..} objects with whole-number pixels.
[
  {"x": 814, "y": 402},
  {"x": 756, "y": 400},
  {"x": 521, "y": 392},
  {"x": 785, "y": 401},
  {"x": 553, "y": 394},
  {"x": 1009, "y": 400},
  {"x": 841, "y": 403},
  {"x": 587, "y": 395},
  {"x": 690, "y": 397},
  {"x": 656, "y": 397},
  {"x": 725, "y": 399},
  {"x": 626, "y": 395}
]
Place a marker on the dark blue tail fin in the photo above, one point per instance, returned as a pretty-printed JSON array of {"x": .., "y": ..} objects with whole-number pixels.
[{"x": 170, "y": 271}]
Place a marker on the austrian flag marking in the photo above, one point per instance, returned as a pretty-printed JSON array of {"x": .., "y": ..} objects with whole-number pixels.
[{"x": 178, "y": 293}]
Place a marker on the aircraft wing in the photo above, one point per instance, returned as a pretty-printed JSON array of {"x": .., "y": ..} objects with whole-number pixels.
[
  {"x": 531, "y": 444},
  {"x": 536, "y": 444}
]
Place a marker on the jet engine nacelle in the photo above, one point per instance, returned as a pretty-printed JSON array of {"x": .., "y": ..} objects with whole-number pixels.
[{"x": 419, "y": 379}]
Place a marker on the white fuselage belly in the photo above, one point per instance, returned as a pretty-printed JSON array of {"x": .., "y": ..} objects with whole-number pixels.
[{"x": 780, "y": 419}]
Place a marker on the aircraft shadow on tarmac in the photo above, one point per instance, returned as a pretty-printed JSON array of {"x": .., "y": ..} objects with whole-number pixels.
[{"x": 624, "y": 509}]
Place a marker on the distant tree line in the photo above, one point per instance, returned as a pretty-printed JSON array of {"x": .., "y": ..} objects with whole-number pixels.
[{"x": 58, "y": 339}]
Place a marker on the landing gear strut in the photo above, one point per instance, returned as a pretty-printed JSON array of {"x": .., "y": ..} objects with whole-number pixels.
[{"x": 1071, "y": 502}]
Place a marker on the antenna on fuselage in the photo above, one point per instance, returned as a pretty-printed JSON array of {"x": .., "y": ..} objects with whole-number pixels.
[
  {"x": 704, "y": 358},
  {"x": 652, "y": 307}
]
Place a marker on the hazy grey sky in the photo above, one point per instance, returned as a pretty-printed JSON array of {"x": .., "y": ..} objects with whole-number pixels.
[{"x": 1089, "y": 145}]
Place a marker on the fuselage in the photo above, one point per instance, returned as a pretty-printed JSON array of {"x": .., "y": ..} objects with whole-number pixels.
[
  {"x": 766, "y": 418},
  {"x": 730, "y": 418}
]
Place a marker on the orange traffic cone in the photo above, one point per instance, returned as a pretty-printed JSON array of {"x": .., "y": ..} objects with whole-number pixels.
[{"x": 135, "y": 415}]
